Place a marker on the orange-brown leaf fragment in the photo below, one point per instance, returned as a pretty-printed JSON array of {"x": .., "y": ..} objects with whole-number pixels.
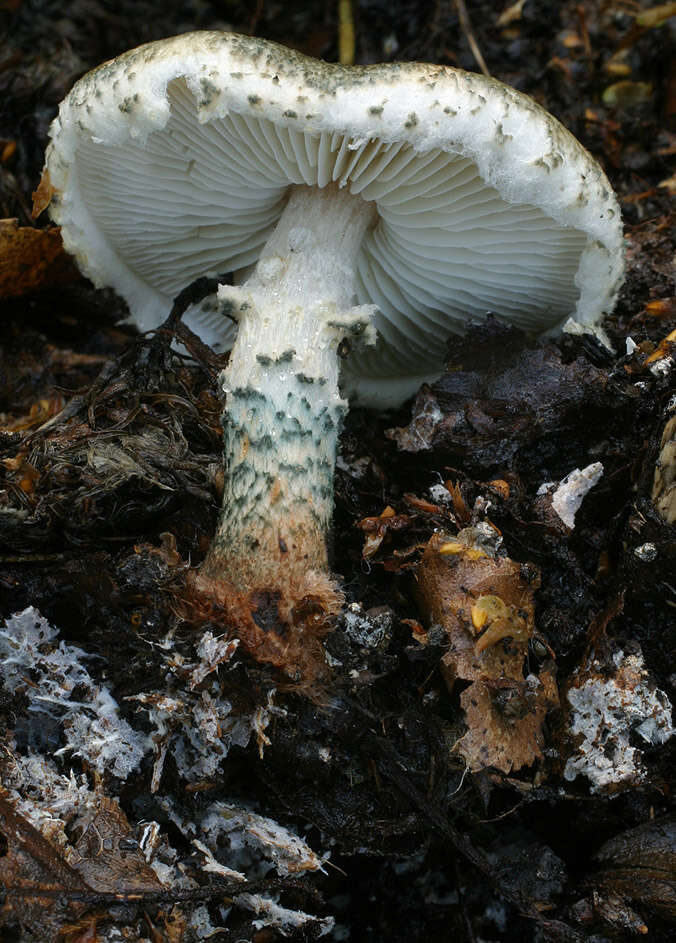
[
  {"x": 31, "y": 259},
  {"x": 664, "y": 347},
  {"x": 661, "y": 308},
  {"x": 664, "y": 480},
  {"x": 39, "y": 412},
  {"x": 42, "y": 196},
  {"x": 451, "y": 584},
  {"x": 505, "y": 722},
  {"x": 38, "y": 883},
  {"x": 377, "y": 528},
  {"x": 486, "y": 605}
]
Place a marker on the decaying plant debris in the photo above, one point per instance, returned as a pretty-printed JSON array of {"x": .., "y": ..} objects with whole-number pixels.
[
  {"x": 490, "y": 754},
  {"x": 485, "y": 605}
]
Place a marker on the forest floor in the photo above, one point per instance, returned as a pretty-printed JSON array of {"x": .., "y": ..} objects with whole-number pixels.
[{"x": 418, "y": 797}]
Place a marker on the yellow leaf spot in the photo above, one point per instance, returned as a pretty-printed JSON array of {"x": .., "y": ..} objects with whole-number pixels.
[
  {"x": 485, "y": 608},
  {"x": 473, "y": 553}
]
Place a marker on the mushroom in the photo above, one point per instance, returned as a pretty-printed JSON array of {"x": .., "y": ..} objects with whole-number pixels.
[{"x": 367, "y": 213}]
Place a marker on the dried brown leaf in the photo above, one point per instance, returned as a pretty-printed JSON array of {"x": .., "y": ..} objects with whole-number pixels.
[
  {"x": 38, "y": 883},
  {"x": 505, "y": 723},
  {"x": 640, "y": 864},
  {"x": 616, "y": 912},
  {"x": 42, "y": 196},
  {"x": 448, "y": 587},
  {"x": 469, "y": 594},
  {"x": 664, "y": 481},
  {"x": 31, "y": 259},
  {"x": 39, "y": 413},
  {"x": 107, "y": 856},
  {"x": 498, "y": 396},
  {"x": 511, "y": 13},
  {"x": 656, "y": 16},
  {"x": 377, "y": 528}
]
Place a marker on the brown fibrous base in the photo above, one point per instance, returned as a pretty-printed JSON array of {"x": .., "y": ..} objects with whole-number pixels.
[{"x": 280, "y": 625}]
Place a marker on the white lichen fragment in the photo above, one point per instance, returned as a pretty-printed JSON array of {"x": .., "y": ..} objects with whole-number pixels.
[
  {"x": 646, "y": 553},
  {"x": 288, "y": 853},
  {"x": 199, "y": 922},
  {"x": 214, "y": 866},
  {"x": 199, "y": 731},
  {"x": 418, "y": 435},
  {"x": 661, "y": 369},
  {"x": 260, "y": 719},
  {"x": 440, "y": 494},
  {"x": 285, "y": 920},
  {"x": 366, "y": 630},
  {"x": 64, "y": 809},
  {"x": 606, "y": 712},
  {"x": 48, "y": 673},
  {"x": 571, "y": 490},
  {"x": 212, "y": 651},
  {"x": 49, "y": 800}
]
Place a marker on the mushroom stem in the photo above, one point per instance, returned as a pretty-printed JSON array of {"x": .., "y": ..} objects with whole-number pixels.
[{"x": 283, "y": 409}]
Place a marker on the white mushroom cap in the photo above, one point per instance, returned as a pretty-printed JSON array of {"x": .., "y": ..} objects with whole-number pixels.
[{"x": 174, "y": 161}]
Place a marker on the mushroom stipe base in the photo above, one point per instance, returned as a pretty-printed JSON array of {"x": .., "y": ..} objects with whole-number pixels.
[
  {"x": 283, "y": 413},
  {"x": 281, "y": 627}
]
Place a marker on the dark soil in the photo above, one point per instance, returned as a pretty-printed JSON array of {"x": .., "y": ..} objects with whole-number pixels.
[{"x": 111, "y": 501}]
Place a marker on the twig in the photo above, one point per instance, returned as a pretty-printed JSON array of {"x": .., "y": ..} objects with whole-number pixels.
[
  {"x": 466, "y": 25},
  {"x": 345, "y": 32},
  {"x": 391, "y": 767},
  {"x": 253, "y": 24}
]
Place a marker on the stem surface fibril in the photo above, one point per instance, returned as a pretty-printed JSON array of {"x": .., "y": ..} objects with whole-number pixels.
[{"x": 283, "y": 409}]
